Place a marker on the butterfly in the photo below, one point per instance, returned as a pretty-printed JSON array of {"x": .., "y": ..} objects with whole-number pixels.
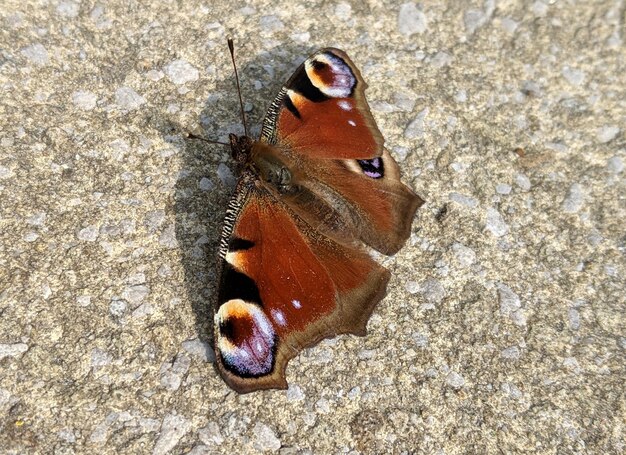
[{"x": 313, "y": 192}]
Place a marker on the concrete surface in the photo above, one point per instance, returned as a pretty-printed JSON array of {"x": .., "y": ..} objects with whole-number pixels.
[{"x": 504, "y": 329}]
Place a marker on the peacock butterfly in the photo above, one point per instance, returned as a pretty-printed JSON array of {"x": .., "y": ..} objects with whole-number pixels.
[{"x": 314, "y": 190}]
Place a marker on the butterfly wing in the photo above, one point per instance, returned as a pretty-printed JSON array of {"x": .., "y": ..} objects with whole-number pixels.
[
  {"x": 321, "y": 111},
  {"x": 283, "y": 287},
  {"x": 321, "y": 125}
]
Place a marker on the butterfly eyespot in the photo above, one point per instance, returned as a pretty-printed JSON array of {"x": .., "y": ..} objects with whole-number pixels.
[
  {"x": 246, "y": 340},
  {"x": 331, "y": 75},
  {"x": 373, "y": 168}
]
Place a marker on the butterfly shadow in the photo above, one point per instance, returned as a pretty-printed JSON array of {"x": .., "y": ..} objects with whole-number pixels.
[{"x": 207, "y": 175}]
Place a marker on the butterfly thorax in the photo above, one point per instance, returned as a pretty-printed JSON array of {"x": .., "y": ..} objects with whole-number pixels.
[{"x": 263, "y": 160}]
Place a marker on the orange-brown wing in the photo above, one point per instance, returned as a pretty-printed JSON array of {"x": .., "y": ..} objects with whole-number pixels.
[
  {"x": 322, "y": 112},
  {"x": 320, "y": 126},
  {"x": 283, "y": 287},
  {"x": 355, "y": 200}
]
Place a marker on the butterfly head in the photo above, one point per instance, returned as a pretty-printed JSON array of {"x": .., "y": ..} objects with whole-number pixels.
[{"x": 240, "y": 147}]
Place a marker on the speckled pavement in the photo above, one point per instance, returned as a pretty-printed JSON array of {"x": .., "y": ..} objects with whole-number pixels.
[{"x": 504, "y": 330}]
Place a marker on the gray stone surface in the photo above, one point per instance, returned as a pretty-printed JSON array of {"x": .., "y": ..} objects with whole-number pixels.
[{"x": 504, "y": 327}]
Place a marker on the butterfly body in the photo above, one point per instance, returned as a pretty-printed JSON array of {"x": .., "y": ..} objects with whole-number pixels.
[{"x": 314, "y": 188}]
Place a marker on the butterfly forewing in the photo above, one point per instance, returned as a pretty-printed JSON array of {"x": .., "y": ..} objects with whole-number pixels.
[{"x": 322, "y": 111}]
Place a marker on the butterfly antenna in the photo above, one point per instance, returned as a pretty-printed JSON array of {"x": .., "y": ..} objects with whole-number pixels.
[
  {"x": 231, "y": 47},
  {"x": 209, "y": 141}
]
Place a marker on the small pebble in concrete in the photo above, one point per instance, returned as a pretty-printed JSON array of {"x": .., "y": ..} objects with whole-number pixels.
[
  {"x": 200, "y": 349},
  {"x": 615, "y": 165},
  {"x": 415, "y": 129},
  {"x": 84, "y": 100},
  {"x": 432, "y": 290},
  {"x": 211, "y": 434},
  {"x": 495, "y": 223},
  {"x": 173, "y": 428},
  {"x": 88, "y": 234},
  {"x": 181, "y": 72},
  {"x": 295, "y": 393},
  {"x": 607, "y": 133},
  {"x": 411, "y": 20},
  {"x": 503, "y": 188},
  {"x": 12, "y": 350},
  {"x": 463, "y": 199},
  {"x": 455, "y": 380},
  {"x": 574, "y": 76},
  {"x": 271, "y": 23},
  {"x": 128, "y": 99},
  {"x": 36, "y": 54},
  {"x": 265, "y": 439},
  {"x": 511, "y": 305},
  {"x": 343, "y": 11},
  {"x": 574, "y": 199}
]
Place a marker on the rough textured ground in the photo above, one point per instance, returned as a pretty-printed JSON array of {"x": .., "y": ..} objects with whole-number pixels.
[{"x": 504, "y": 328}]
